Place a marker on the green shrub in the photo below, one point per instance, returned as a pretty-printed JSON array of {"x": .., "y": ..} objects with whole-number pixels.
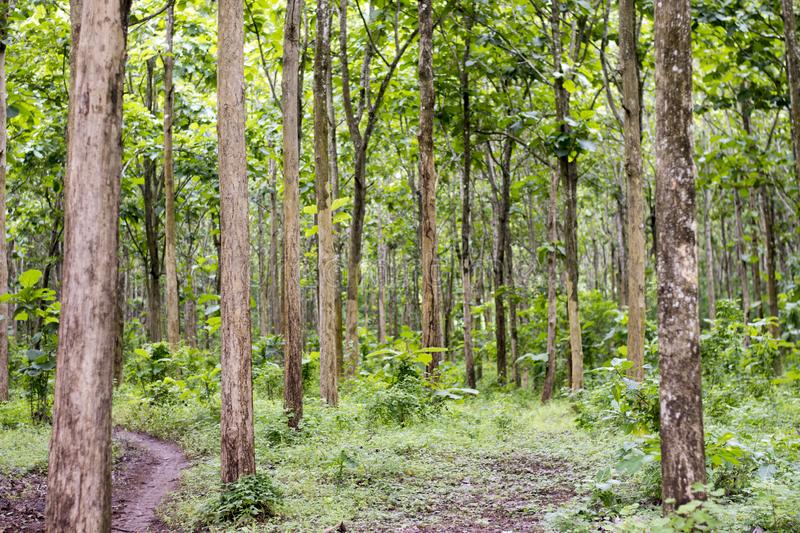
[{"x": 250, "y": 498}]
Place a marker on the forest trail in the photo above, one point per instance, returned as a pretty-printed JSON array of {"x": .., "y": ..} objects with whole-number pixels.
[
  {"x": 151, "y": 473},
  {"x": 144, "y": 474}
]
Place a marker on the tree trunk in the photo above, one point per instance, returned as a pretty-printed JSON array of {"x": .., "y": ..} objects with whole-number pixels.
[
  {"x": 431, "y": 299},
  {"x": 772, "y": 284},
  {"x": 170, "y": 254},
  {"x": 236, "y": 419},
  {"x": 274, "y": 262},
  {"x": 326, "y": 255},
  {"x": 354, "y": 260},
  {"x": 755, "y": 257},
  {"x": 150, "y": 193},
  {"x": 466, "y": 207},
  {"x": 710, "y": 289},
  {"x": 793, "y": 70},
  {"x": 512, "y": 313},
  {"x": 4, "y": 307},
  {"x": 119, "y": 324},
  {"x": 682, "y": 448},
  {"x": 293, "y": 347},
  {"x": 79, "y": 471},
  {"x": 741, "y": 262},
  {"x": 631, "y": 106},
  {"x": 552, "y": 280},
  {"x": 263, "y": 281},
  {"x": 190, "y": 308},
  {"x": 568, "y": 169},
  {"x": 381, "y": 283}
]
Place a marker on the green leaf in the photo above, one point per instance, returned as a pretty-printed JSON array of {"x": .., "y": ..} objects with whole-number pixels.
[{"x": 29, "y": 278}]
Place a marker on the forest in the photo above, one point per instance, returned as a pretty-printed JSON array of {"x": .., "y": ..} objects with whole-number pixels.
[{"x": 396, "y": 266}]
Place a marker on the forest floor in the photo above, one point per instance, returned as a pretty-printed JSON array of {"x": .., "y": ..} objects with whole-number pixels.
[{"x": 145, "y": 471}]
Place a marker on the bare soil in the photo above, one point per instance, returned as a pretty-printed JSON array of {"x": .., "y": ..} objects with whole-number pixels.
[{"x": 146, "y": 472}]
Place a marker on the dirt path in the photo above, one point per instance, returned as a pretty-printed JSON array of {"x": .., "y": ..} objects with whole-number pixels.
[
  {"x": 140, "y": 488},
  {"x": 145, "y": 473}
]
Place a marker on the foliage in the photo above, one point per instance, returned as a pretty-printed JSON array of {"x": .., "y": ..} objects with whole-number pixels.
[{"x": 253, "y": 497}]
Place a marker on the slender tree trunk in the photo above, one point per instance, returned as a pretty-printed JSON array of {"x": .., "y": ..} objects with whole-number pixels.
[
  {"x": 150, "y": 193},
  {"x": 293, "y": 348},
  {"x": 190, "y": 308},
  {"x": 726, "y": 260},
  {"x": 381, "y": 283},
  {"x": 263, "y": 281},
  {"x": 79, "y": 471},
  {"x": 568, "y": 169},
  {"x": 4, "y": 307},
  {"x": 170, "y": 254},
  {"x": 325, "y": 236},
  {"x": 741, "y": 262},
  {"x": 236, "y": 420},
  {"x": 772, "y": 284},
  {"x": 333, "y": 159},
  {"x": 755, "y": 256},
  {"x": 512, "y": 312},
  {"x": 710, "y": 289},
  {"x": 682, "y": 447},
  {"x": 354, "y": 260},
  {"x": 466, "y": 206},
  {"x": 119, "y": 323},
  {"x": 793, "y": 69},
  {"x": 631, "y": 106},
  {"x": 274, "y": 262},
  {"x": 431, "y": 299},
  {"x": 552, "y": 280}
]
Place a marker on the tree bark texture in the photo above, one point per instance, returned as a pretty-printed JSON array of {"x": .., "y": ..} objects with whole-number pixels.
[
  {"x": 170, "y": 245},
  {"x": 79, "y": 470},
  {"x": 237, "y": 456},
  {"x": 552, "y": 281},
  {"x": 631, "y": 129},
  {"x": 326, "y": 256},
  {"x": 682, "y": 448},
  {"x": 292, "y": 328},
  {"x": 793, "y": 69}
]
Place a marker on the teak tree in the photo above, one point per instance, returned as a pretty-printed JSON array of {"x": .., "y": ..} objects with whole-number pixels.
[
  {"x": 237, "y": 456},
  {"x": 79, "y": 466},
  {"x": 682, "y": 445}
]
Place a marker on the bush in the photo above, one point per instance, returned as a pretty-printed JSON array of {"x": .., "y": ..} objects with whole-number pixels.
[{"x": 250, "y": 498}]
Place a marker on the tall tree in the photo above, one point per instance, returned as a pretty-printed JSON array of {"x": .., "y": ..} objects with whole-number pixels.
[
  {"x": 568, "y": 171},
  {"x": 326, "y": 255},
  {"x": 292, "y": 329},
  {"x": 79, "y": 468},
  {"x": 632, "y": 133},
  {"x": 431, "y": 312},
  {"x": 360, "y": 140},
  {"x": 170, "y": 244},
  {"x": 237, "y": 456},
  {"x": 552, "y": 280},
  {"x": 466, "y": 203},
  {"x": 4, "y": 307},
  {"x": 682, "y": 448},
  {"x": 793, "y": 70}
]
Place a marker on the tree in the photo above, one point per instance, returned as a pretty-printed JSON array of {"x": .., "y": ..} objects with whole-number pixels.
[
  {"x": 793, "y": 71},
  {"x": 552, "y": 280},
  {"x": 682, "y": 446},
  {"x": 568, "y": 171},
  {"x": 292, "y": 328},
  {"x": 431, "y": 313},
  {"x": 237, "y": 456},
  {"x": 326, "y": 255},
  {"x": 79, "y": 467},
  {"x": 632, "y": 132},
  {"x": 466, "y": 205},
  {"x": 360, "y": 140},
  {"x": 4, "y": 8},
  {"x": 170, "y": 245}
]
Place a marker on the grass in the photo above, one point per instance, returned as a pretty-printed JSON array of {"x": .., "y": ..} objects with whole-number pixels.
[{"x": 344, "y": 467}]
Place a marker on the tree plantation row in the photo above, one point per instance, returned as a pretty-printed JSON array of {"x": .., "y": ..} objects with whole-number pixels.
[{"x": 340, "y": 252}]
